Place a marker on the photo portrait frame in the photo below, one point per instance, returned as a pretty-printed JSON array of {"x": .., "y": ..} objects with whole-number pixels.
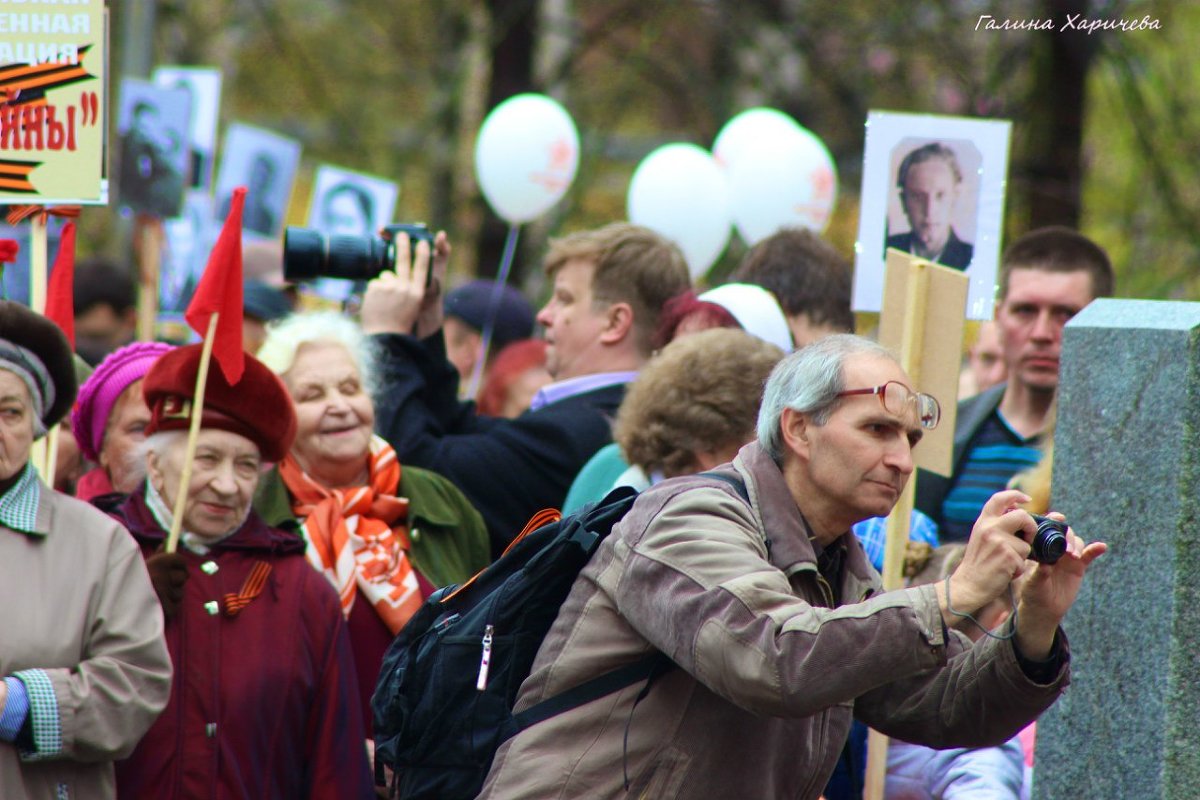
[
  {"x": 348, "y": 203},
  {"x": 265, "y": 163},
  {"x": 204, "y": 87},
  {"x": 153, "y": 151},
  {"x": 975, "y": 149}
]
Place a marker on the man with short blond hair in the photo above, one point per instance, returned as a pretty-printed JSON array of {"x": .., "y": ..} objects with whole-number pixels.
[{"x": 609, "y": 286}]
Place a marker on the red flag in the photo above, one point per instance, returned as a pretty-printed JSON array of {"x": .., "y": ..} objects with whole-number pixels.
[
  {"x": 60, "y": 294},
  {"x": 220, "y": 290}
]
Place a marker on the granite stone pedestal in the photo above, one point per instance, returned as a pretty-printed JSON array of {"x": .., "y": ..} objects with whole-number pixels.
[{"x": 1127, "y": 472}]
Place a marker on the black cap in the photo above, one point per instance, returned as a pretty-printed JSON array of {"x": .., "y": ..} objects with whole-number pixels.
[{"x": 514, "y": 315}]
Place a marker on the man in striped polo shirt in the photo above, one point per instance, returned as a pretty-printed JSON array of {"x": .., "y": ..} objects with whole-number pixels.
[{"x": 1046, "y": 277}]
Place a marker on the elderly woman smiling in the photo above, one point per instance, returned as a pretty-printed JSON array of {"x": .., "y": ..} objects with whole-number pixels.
[{"x": 384, "y": 535}]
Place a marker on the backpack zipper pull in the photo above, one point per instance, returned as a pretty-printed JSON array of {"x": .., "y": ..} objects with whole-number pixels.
[{"x": 486, "y": 660}]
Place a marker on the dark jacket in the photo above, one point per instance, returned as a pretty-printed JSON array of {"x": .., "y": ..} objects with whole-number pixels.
[
  {"x": 771, "y": 667},
  {"x": 972, "y": 412},
  {"x": 263, "y": 702},
  {"x": 449, "y": 545},
  {"x": 508, "y": 469},
  {"x": 956, "y": 254}
]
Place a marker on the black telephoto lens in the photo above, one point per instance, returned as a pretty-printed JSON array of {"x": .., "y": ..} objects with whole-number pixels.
[
  {"x": 1050, "y": 542},
  {"x": 308, "y": 254}
]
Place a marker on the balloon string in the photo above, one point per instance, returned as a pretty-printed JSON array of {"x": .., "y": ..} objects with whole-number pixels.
[{"x": 489, "y": 321}]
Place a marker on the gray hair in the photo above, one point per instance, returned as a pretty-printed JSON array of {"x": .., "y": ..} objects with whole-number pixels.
[
  {"x": 286, "y": 336},
  {"x": 158, "y": 443},
  {"x": 808, "y": 381}
]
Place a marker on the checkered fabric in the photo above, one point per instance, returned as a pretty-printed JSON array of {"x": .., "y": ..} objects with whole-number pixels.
[
  {"x": 43, "y": 712},
  {"x": 18, "y": 506}
]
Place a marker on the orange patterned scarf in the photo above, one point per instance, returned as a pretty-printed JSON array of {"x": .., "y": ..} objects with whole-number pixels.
[{"x": 358, "y": 536}]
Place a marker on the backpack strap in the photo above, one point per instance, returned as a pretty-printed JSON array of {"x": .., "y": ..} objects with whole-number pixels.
[
  {"x": 590, "y": 690},
  {"x": 734, "y": 480}
]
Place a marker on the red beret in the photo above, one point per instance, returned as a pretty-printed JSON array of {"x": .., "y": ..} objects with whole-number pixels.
[{"x": 257, "y": 407}]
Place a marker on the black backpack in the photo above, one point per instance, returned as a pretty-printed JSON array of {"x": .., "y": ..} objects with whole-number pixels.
[{"x": 443, "y": 702}]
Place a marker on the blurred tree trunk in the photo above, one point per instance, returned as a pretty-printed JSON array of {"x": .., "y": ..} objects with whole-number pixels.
[{"x": 1054, "y": 154}]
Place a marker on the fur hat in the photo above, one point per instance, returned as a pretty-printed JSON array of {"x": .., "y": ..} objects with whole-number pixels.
[
  {"x": 35, "y": 349},
  {"x": 257, "y": 407}
]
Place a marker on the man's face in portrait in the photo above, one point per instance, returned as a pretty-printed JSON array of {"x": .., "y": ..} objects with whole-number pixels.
[{"x": 929, "y": 194}]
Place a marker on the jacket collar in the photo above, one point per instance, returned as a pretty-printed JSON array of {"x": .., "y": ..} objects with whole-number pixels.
[
  {"x": 254, "y": 535},
  {"x": 792, "y": 547}
]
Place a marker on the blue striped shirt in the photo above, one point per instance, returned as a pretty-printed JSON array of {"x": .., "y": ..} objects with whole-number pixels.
[{"x": 994, "y": 455}]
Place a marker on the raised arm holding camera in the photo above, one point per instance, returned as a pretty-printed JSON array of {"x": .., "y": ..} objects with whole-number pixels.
[{"x": 609, "y": 285}]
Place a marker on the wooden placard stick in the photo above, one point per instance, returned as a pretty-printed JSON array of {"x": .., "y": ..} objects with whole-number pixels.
[
  {"x": 922, "y": 320},
  {"x": 150, "y": 237}
]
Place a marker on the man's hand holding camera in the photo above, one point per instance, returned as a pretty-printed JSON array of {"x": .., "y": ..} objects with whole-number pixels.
[
  {"x": 997, "y": 554},
  {"x": 408, "y": 299}
]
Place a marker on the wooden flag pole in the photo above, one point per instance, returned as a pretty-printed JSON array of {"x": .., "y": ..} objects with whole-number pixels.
[
  {"x": 39, "y": 274},
  {"x": 193, "y": 434},
  {"x": 150, "y": 241}
]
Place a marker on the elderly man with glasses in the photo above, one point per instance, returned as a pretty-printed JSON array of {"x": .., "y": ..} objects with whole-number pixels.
[{"x": 773, "y": 621}]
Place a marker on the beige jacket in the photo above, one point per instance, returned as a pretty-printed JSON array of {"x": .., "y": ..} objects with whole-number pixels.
[
  {"x": 769, "y": 675},
  {"x": 80, "y": 618}
]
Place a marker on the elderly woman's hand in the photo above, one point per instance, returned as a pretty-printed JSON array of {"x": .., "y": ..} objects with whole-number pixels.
[{"x": 399, "y": 301}]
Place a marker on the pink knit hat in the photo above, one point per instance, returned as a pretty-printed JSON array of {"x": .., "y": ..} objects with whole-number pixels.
[{"x": 99, "y": 393}]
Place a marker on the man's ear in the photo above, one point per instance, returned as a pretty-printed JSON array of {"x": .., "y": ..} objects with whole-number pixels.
[
  {"x": 795, "y": 427},
  {"x": 619, "y": 323}
]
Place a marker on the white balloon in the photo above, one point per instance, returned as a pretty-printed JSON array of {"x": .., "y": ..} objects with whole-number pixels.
[
  {"x": 750, "y": 129},
  {"x": 790, "y": 182},
  {"x": 526, "y": 156},
  {"x": 680, "y": 191}
]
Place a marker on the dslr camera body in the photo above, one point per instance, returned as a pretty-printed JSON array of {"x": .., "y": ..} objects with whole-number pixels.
[{"x": 309, "y": 254}]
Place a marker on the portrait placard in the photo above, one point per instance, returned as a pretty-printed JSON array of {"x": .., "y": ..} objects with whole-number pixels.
[
  {"x": 348, "y": 203},
  {"x": 932, "y": 187},
  {"x": 265, "y": 163},
  {"x": 203, "y": 85},
  {"x": 153, "y": 159},
  {"x": 53, "y": 103}
]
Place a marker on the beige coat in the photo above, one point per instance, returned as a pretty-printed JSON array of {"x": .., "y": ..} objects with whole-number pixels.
[
  {"x": 78, "y": 607},
  {"x": 769, "y": 674}
]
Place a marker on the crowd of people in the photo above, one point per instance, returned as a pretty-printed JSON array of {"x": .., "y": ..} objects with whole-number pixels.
[{"x": 345, "y": 477}]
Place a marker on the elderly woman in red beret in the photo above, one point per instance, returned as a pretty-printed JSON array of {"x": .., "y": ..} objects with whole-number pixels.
[
  {"x": 264, "y": 704},
  {"x": 83, "y": 663},
  {"x": 382, "y": 533}
]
